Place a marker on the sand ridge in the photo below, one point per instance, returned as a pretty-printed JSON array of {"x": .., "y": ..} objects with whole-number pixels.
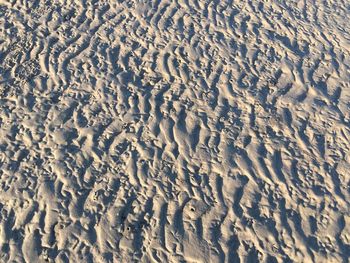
[{"x": 174, "y": 131}]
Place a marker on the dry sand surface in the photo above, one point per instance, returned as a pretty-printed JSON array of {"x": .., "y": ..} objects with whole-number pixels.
[{"x": 174, "y": 131}]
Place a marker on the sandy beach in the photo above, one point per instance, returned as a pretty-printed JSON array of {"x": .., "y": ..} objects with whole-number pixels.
[{"x": 180, "y": 131}]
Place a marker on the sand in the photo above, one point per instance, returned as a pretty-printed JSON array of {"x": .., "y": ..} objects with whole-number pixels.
[{"x": 174, "y": 131}]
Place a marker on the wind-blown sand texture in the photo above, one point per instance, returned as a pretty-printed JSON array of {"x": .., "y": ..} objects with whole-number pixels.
[{"x": 174, "y": 131}]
